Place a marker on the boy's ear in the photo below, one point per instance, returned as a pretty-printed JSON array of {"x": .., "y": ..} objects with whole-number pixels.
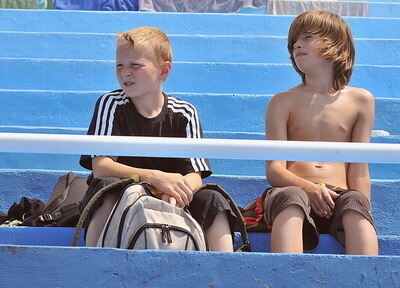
[{"x": 165, "y": 69}]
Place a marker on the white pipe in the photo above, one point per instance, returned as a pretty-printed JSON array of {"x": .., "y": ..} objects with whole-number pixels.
[{"x": 207, "y": 148}]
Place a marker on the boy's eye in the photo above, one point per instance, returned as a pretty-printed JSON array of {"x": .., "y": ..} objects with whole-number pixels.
[{"x": 133, "y": 65}]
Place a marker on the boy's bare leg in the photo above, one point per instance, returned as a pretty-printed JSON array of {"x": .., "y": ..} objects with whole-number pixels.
[
  {"x": 219, "y": 234},
  {"x": 360, "y": 235},
  {"x": 287, "y": 231},
  {"x": 99, "y": 219}
]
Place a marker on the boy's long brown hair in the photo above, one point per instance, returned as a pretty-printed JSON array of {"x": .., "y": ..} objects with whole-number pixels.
[
  {"x": 336, "y": 42},
  {"x": 152, "y": 40}
]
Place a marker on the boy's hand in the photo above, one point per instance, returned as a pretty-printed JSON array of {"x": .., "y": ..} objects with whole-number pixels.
[
  {"x": 322, "y": 200},
  {"x": 174, "y": 185}
]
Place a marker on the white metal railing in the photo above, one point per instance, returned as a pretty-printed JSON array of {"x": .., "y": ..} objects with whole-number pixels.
[{"x": 207, "y": 148}]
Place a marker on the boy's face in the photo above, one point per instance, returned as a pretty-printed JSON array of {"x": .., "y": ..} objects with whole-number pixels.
[
  {"x": 137, "y": 71},
  {"x": 307, "y": 54}
]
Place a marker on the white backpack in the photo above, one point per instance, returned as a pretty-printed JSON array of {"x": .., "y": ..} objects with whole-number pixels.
[{"x": 141, "y": 221}]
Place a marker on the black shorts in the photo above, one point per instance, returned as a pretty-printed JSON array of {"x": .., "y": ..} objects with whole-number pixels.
[{"x": 205, "y": 206}]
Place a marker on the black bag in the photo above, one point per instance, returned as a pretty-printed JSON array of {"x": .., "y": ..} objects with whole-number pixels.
[
  {"x": 19, "y": 212},
  {"x": 62, "y": 208}
]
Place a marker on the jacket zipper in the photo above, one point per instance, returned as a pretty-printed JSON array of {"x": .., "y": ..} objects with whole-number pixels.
[{"x": 165, "y": 234}]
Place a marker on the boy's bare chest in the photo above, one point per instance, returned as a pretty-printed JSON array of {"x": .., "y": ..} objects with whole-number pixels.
[{"x": 322, "y": 121}]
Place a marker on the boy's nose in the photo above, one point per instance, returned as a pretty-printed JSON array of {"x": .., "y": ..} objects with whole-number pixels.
[
  {"x": 126, "y": 73},
  {"x": 298, "y": 44}
]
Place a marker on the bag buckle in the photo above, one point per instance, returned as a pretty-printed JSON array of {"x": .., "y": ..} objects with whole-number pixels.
[{"x": 46, "y": 217}]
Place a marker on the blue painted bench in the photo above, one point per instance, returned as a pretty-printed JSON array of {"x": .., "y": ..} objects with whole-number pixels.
[{"x": 62, "y": 237}]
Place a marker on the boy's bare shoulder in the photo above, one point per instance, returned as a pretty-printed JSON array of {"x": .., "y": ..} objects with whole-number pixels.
[
  {"x": 360, "y": 94},
  {"x": 286, "y": 96},
  {"x": 361, "y": 98}
]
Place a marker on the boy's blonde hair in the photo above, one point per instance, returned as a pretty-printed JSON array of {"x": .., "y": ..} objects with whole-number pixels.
[
  {"x": 152, "y": 40},
  {"x": 336, "y": 42}
]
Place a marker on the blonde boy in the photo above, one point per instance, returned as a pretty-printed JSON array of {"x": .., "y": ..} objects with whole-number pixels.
[
  {"x": 140, "y": 108},
  {"x": 313, "y": 197}
]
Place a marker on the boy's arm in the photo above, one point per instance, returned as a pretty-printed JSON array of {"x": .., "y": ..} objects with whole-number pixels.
[
  {"x": 276, "y": 129},
  {"x": 277, "y": 173},
  {"x": 173, "y": 184},
  {"x": 358, "y": 173}
]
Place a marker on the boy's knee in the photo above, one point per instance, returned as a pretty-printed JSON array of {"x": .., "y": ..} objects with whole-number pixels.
[{"x": 351, "y": 215}]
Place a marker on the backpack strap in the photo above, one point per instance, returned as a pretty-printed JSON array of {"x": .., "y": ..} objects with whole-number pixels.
[
  {"x": 120, "y": 185},
  {"x": 65, "y": 217},
  {"x": 57, "y": 201},
  {"x": 246, "y": 247}
]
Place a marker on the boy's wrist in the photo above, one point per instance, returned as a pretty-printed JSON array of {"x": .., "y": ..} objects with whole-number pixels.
[
  {"x": 150, "y": 176},
  {"x": 308, "y": 186}
]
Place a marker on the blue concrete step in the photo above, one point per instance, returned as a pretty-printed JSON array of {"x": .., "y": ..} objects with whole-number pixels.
[
  {"x": 260, "y": 242},
  {"x": 242, "y": 78},
  {"x": 177, "y": 23},
  {"x": 52, "y": 109},
  {"x": 100, "y": 267},
  {"x": 39, "y": 184},
  {"x": 388, "y": 244},
  {"x": 380, "y": 9},
  {"x": 219, "y": 166},
  {"x": 193, "y": 48},
  {"x": 39, "y": 236}
]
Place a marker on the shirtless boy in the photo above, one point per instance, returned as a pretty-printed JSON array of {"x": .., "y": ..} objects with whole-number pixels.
[
  {"x": 306, "y": 199},
  {"x": 140, "y": 108}
]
